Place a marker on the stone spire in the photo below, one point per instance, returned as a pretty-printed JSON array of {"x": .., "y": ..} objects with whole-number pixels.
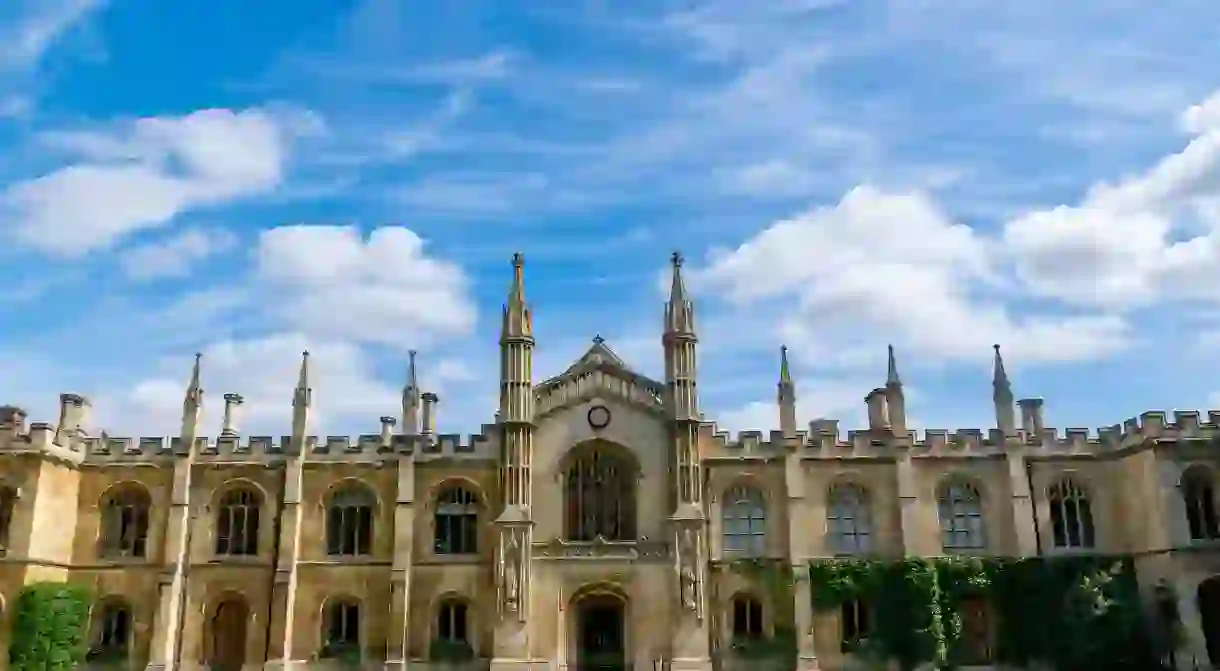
[
  {"x": 895, "y": 398},
  {"x": 679, "y": 311},
  {"x": 302, "y": 399},
  {"x": 517, "y": 320},
  {"x": 1005, "y": 415},
  {"x": 410, "y": 399},
  {"x": 786, "y": 396},
  {"x": 192, "y": 404}
]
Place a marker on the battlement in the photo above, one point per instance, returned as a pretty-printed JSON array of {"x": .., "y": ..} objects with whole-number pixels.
[
  {"x": 74, "y": 446},
  {"x": 825, "y": 438}
]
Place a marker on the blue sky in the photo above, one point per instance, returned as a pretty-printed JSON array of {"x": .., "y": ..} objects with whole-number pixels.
[{"x": 352, "y": 177}]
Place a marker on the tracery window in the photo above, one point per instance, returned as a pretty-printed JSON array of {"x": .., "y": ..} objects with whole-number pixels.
[
  {"x": 451, "y": 626},
  {"x": 1071, "y": 515},
  {"x": 744, "y": 515},
  {"x": 237, "y": 523},
  {"x": 747, "y": 617},
  {"x": 349, "y": 521},
  {"x": 124, "y": 532},
  {"x": 456, "y": 521},
  {"x": 1199, "y": 492},
  {"x": 961, "y": 517},
  {"x": 849, "y": 520},
  {"x": 112, "y": 635},
  {"x": 8, "y": 505},
  {"x": 342, "y": 624},
  {"x": 600, "y": 497}
]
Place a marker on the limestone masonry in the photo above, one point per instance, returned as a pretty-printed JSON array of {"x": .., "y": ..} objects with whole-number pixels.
[{"x": 589, "y": 525}]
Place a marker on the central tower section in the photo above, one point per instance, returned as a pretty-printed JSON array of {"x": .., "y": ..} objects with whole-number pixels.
[{"x": 514, "y": 526}]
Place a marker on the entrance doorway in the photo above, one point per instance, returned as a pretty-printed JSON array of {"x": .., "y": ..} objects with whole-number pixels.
[
  {"x": 229, "y": 635},
  {"x": 600, "y": 634}
]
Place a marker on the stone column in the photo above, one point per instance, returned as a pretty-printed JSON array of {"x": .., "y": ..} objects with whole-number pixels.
[
  {"x": 397, "y": 642},
  {"x": 171, "y": 590},
  {"x": 802, "y": 606},
  {"x": 908, "y": 497},
  {"x": 282, "y": 650},
  {"x": 1023, "y": 523}
]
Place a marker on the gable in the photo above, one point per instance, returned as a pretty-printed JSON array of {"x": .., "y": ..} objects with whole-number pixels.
[{"x": 599, "y": 372}]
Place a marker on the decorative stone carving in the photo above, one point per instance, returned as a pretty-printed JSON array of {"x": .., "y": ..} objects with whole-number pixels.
[
  {"x": 512, "y": 576},
  {"x": 600, "y": 548},
  {"x": 688, "y": 572}
]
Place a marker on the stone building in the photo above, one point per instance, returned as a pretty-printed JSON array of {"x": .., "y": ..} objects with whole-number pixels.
[{"x": 590, "y": 522}]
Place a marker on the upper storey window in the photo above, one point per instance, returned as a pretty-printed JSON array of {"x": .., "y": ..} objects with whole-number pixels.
[
  {"x": 237, "y": 523},
  {"x": 599, "y": 497},
  {"x": 961, "y": 517},
  {"x": 849, "y": 521},
  {"x": 349, "y": 521},
  {"x": 744, "y": 514},
  {"x": 1199, "y": 492},
  {"x": 124, "y": 531},
  {"x": 1071, "y": 516},
  {"x": 457, "y": 522}
]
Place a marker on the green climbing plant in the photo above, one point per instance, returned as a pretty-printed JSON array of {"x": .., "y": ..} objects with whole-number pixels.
[
  {"x": 50, "y": 626},
  {"x": 1071, "y": 613}
]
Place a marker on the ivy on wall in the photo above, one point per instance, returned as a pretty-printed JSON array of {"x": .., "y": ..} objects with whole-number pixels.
[
  {"x": 775, "y": 577},
  {"x": 50, "y": 625},
  {"x": 1072, "y": 613}
]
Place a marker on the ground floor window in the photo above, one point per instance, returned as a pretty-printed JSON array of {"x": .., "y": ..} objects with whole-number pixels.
[{"x": 855, "y": 624}]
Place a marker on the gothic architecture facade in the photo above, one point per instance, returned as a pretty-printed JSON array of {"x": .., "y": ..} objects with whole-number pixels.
[{"x": 588, "y": 526}]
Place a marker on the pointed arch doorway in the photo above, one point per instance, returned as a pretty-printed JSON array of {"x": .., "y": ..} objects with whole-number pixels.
[
  {"x": 228, "y": 635},
  {"x": 601, "y": 632}
]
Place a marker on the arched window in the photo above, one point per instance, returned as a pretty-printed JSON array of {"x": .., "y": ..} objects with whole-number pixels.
[
  {"x": 747, "y": 618},
  {"x": 237, "y": 522},
  {"x": 1199, "y": 492},
  {"x": 8, "y": 504},
  {"x": 341, "y": 626},
  {"x": 349, "y": 521},
  {"x": 961, "y": 517},
  {"x": 124, "y": 531},
  {"x": 855, "y": 623},
  {"x": 600, "y": 497},
  {"x": 744, "y": 514},
  {"x": 451, "y": 622},
  {"x": 849, "y": 520},
  {"x": 112, "y": 630},
  {"x": 457, "y": 522},
  {"x": 1071, "y": 515}
]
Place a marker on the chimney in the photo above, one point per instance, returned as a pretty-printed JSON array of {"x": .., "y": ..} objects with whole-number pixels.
[
  {"x": 73, "y": 415},
  {"x": 1031, "y": 417},
  {"x": 387, "y": 431},
  {"x": 428, "y": 420},
  {"x": 12, "y": 419},
  {"x": 233, "y": 403},
  {"x": 877, "y": 417}
]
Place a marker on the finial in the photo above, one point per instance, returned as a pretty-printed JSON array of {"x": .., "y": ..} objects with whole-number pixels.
[
  {"x": 518, "y": 260},
  {"x": 598, "y": 339},
  {"x": 999, "y": 375},
  {"x": 676, "y": 259},
  {"x": 785, "y": 375},
  {"x": 891, "y": 376}
]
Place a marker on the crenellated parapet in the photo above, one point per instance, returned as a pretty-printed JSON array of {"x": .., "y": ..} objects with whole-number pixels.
[{"x": 825, "y": 439}]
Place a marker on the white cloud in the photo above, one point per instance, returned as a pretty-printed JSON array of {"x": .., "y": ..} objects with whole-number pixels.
[
  {"x": 146, "y": 173},
  {"x": 841, "y": 399},
  {"x": 383, "y": 289},
  {"x": 882, "y": 266},
  {"x": 264, "y": 371},
  {"x": 1127, "y": 243},
  {"x": 175, "y": 256},
  {"x": 35, "y": 25}
]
